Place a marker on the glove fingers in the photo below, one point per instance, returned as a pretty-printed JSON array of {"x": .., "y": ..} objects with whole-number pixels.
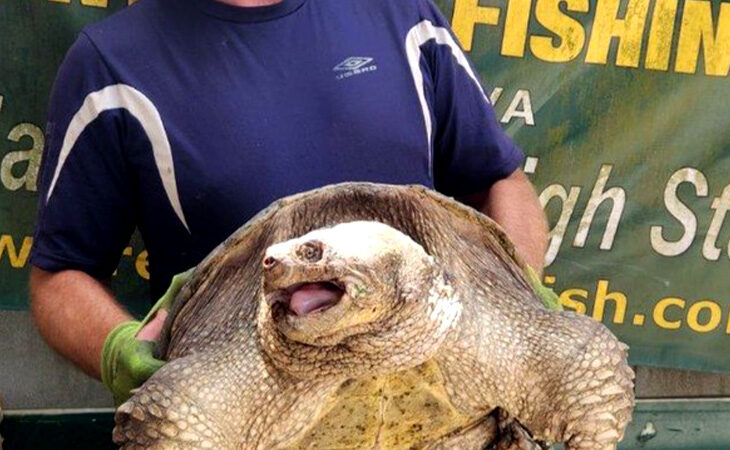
[
  {"x": 127, "y": 362},
  {"x": 133, "y": 365},
  {"x": 549, "y": 298},
  {"x": 138, "y": 362}
]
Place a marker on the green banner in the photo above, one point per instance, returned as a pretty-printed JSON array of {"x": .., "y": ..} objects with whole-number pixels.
[
  {"x": 34, "y": 37},
  {"x": 621, "y": 106}
]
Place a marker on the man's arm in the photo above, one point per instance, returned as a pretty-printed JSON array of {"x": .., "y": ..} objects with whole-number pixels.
[
  {"x": 513, "y": 204},
  {"x": 74, "y": 313}
]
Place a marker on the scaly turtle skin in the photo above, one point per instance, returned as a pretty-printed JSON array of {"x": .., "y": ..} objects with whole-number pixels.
[{"x": 402, "y": 320}]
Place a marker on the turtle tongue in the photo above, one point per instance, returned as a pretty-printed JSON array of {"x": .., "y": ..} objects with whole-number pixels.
[{"x": 311, "y": 297}]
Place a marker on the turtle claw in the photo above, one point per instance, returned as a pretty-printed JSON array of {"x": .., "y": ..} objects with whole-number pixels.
[
  {"x": 472, "y": 437},
  {"x": 513, "y": 436}
]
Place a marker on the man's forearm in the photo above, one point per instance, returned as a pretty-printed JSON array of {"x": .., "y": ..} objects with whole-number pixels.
[
  {"x": 74, "y": 313},
  {"x": 513, "y": 204}
]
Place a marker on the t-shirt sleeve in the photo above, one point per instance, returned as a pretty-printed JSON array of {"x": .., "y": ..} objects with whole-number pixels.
[
  {"x": 86, "y": 213},
  {"x": 470, "y": 150}
]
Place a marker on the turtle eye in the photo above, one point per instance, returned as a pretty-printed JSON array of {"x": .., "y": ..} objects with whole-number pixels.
[{"x": 310, "y": 251}]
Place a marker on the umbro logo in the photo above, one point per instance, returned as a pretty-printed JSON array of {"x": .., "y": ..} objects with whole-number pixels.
[{"x": 354, "y": 65}]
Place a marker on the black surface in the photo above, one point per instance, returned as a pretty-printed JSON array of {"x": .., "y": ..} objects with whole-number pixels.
[{"x": 58, "y": 432}]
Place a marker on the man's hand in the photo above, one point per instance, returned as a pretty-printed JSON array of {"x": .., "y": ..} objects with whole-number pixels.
[
  {"x": 513, "y": 204},
  {"x": 128, "y": 359},
  {"x": 127, "y": 362}
]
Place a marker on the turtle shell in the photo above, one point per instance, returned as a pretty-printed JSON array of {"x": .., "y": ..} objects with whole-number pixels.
[{"x": 563, "y": 376}]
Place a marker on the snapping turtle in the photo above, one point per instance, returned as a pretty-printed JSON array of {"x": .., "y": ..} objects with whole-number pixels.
[{"x": 372, "y": 316}]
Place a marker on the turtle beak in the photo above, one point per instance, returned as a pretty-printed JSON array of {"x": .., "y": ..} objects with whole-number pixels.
[{"x": 291, "y": 262}]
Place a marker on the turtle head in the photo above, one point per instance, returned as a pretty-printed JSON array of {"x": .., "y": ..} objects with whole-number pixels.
[{"x": 336, "y": 282}]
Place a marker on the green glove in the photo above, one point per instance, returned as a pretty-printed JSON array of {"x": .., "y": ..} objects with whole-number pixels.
[
  {"x": 127, "y": 362},
  {"x": 549, "y": 298}
]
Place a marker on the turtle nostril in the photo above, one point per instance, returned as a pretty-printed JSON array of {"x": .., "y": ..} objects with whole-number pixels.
[{"x": 269, "y": 262}]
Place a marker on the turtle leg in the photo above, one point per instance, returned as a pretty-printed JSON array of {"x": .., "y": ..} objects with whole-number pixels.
[
  {"x": 226, "y": 400},
  {"x": 592, "y": 404},
  {"x": 583, "y": 395},
  {"x": 167, "y": 413},
  {"x": 563, "y": 376}
]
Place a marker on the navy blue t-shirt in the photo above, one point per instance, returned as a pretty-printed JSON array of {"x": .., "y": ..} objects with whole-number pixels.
[{"x": 186, "y": 117}]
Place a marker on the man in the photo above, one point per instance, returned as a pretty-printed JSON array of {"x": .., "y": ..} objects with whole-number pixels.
[{"x": 185, "y": 117}]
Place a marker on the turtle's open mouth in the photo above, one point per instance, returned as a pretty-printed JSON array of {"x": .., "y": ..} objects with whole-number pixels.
[{"x": 302, "y": 299}]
